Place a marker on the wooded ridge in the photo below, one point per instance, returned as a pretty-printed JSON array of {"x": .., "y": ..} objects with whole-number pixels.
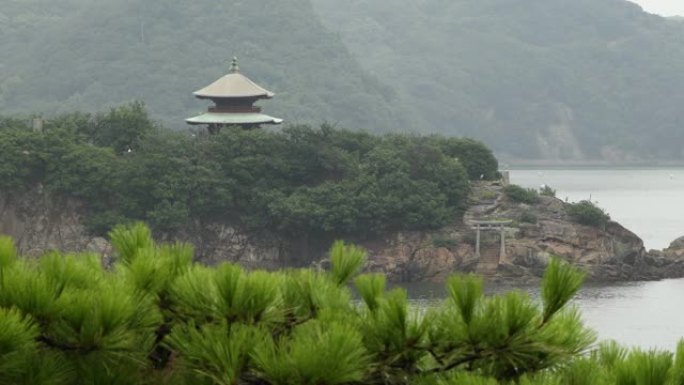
[{"x": 591, "y": 80}]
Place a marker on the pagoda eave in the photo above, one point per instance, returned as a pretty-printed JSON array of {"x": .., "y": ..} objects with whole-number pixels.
[
  {"x": 233, "y": 119},
  {"x": 199, "y": 95}
]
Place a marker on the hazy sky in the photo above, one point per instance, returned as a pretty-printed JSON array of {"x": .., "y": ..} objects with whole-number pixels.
[{"x": 662, "y": 7}]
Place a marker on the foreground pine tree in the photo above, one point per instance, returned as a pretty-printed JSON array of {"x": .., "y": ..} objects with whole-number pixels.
[{"x": 155, "y": 317}]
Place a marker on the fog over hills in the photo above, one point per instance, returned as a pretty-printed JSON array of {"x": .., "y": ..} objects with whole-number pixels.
[
  {"x": 551, "y": 79},
  {"x": 87, "y": 55}
]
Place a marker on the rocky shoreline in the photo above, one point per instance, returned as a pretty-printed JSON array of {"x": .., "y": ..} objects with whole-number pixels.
[
  {"x": 533, "y": 234},
  {"x": 536, "y": 233}
]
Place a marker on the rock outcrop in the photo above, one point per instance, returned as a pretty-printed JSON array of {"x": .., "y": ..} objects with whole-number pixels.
[
  {"x": 39, "y": 223},
  {"x": 666, "y": 263},
  {"x": 536, "y": 233},
  {"x": 533, "y": 234}
]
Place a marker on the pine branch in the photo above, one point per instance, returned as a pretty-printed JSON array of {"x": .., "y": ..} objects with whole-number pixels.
[
  {"x": 453, "y": 365},
  {"x": 66, "y": 347}
]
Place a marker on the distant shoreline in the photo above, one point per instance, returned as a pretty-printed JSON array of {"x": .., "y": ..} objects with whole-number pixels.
[{"x": 560, "y": 164}]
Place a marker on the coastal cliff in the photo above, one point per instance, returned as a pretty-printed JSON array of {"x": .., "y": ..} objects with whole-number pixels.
[{"x": 533, "y": 233}]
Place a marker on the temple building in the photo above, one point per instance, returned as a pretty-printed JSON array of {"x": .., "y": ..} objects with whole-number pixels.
[{"x": 234, "y": 96}]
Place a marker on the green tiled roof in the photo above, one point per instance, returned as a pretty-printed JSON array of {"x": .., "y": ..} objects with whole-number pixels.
[{"x": 233, "y": 118}]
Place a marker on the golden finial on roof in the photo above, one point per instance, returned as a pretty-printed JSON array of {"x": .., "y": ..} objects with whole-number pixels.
[{"x": 234, "y": 65}]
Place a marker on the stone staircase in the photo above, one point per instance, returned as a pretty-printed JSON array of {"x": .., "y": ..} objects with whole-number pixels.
[{"x": 489, "y": 261}]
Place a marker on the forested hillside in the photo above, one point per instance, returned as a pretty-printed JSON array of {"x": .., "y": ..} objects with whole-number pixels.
[
  {"x": 552, "y": 79},
  {"x": 84, "y": 55}
]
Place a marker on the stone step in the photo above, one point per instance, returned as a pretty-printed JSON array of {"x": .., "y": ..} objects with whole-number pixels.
[
  {"x": 489, "y": 261},
  {"x": 487, "y": 269}
]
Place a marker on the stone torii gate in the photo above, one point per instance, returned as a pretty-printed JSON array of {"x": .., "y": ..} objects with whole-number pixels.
[{"x": 489, "y": 265}]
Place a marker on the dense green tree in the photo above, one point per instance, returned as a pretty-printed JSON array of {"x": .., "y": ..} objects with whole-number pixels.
[
  {"x": 21, "y": 157},
  {"x": 122, "y": 128},
  {"x": 475, "y": 157},
  {"x": 320, "y": 182}
]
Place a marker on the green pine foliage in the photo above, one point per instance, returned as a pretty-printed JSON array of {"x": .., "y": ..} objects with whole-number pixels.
[
  {"x": 370, "y": 287},
  {"x": 678, "y": 365},
  {"x": 8, "y": 253},
  {"x": 155, "y": 317},
  {"x": 315, "y": 353},
  {"x": 346, "y": 260},
  {"x": 561, "y": 282}
]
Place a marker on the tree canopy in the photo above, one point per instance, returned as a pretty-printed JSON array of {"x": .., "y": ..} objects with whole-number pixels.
[{"x": 321, "y": 182}]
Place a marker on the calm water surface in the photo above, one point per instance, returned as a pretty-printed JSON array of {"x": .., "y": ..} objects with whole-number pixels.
[{"x": 650, "y": 203}]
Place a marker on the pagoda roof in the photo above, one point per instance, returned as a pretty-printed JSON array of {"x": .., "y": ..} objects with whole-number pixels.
[
  {"x": 233, "y": 85},
  {"x": 233, "y": 118}
]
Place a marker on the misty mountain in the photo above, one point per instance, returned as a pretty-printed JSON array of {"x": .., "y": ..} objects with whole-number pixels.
[
  {"x": 85, "y": 55},
  {"x": 537, "y": 78},
  {"x": 553, "y": 79}
]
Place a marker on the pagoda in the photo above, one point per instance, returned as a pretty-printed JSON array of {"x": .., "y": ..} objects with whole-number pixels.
[{"x": 234, "y": 96}]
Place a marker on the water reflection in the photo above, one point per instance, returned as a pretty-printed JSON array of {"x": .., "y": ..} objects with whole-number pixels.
[{"x": 645, "y": 314}]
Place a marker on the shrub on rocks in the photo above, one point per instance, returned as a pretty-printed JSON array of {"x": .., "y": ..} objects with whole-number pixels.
[
  {"x": 521, "y": 194},
  {"x": 587, "y": 213}
]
